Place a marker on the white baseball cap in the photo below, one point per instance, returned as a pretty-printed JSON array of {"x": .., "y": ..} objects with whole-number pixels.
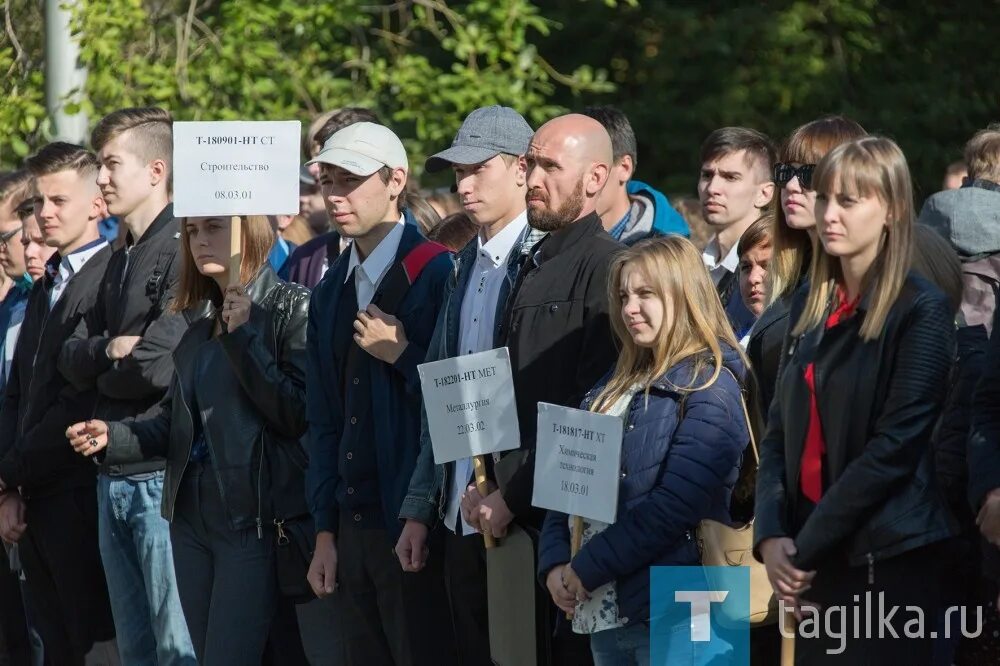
[{"x": 363, "y": 148}]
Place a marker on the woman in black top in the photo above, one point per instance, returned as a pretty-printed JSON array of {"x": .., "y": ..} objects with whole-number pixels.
[
  {"x": 847, "y": 502},
  {"x": 793, "y": 239},
  {"x": 229, "y": 429}
]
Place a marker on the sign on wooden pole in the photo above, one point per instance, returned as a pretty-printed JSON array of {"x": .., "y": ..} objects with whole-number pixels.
[{"x": 230, "y": 169}]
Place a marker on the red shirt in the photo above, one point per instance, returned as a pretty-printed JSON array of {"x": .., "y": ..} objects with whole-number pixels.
[{"x": 811, "y": 470}]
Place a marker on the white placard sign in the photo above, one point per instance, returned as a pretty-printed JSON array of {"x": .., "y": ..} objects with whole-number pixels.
[
  {"x": 577, "y": 461},
  {"x": 236, "y": 168},
  {"x": 470, "y": 406}
]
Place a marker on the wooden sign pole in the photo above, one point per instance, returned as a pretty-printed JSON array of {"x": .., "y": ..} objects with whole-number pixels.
[
  {"x": 235, "y": 250},
  {"x": 788, "y": 631},
  {"x": 480, "y": 469},
  {"x": 576, "y": 540}
]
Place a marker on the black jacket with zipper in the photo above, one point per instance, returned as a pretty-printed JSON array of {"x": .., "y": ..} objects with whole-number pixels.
[
  {"x": 253, "y": 430},
  {"x": 559, "y": 335},
  {"x": 133, "y": 299},
  {"x": 40, "y": 403},
  {"x": 878, "y": 403}
]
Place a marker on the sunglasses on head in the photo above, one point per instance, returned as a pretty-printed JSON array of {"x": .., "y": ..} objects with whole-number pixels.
[{"x": 785, "y": 172}]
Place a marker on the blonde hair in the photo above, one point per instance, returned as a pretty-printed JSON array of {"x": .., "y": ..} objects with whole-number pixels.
[
  {"x": 982, "y": 154},
  {"x": 871, "y": 166},
  {"x": 793, "y": 247},
  {"x": 699, "y": 326}
]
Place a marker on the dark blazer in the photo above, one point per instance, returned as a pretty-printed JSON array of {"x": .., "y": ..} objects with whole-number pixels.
[
  {"x": 305, "y": 264},
  {"x": 40, "y": 402},
  {"x": 764, "y": 349},
  {"x": 559, "y": 336},
  {"x": 261, "y": 404},
  {"x": 134, "y": 299},
  {"x": 679, "y": 466},
  {"x": 878, "y": 402},
  {"x": 395, "y": 388}
]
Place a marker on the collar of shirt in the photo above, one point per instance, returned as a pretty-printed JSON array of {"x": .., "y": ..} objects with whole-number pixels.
[
  {"x": 619, "y": 229},
  {"x": 377, "y": 263},
  {"x": 711, "y": 257},
  {"x": 496, "y": 250},
  {"x": 72, "y": 263}
]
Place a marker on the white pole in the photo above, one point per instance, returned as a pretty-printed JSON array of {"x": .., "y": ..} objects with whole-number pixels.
[{"x": 64, "y": 77}]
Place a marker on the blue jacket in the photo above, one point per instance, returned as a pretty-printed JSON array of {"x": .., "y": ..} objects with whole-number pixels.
[
  {"x": 395, "y": 389},
  {"x": 425, "y": 499},
  {"x": 664, "y": 219},
  {"x": 676, "y": 470}
]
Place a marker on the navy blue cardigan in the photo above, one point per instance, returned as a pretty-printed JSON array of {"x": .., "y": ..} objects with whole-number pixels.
[
  {"x": 675, "y": 472},
  {"x": 395, "y": 389}
]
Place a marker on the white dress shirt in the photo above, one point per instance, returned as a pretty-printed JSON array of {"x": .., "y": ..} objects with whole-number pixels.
[
  {"x": 69, "y": 266},
  {"x": 475, "y": 331},
  {"x": 718, "y": 268},
  {"x": 371, "y": 271}
]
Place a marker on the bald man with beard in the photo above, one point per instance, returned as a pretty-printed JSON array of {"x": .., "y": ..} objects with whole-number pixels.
[{"x": 556, "y": 327}]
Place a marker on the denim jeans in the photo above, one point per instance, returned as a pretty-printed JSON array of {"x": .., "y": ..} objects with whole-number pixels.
[
  {"x": 625, "y": 646},
  {"x": 139, "y": 567},
  {"x": 630, "y": 646}
]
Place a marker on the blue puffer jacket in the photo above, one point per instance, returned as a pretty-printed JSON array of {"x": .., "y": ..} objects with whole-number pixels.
[{"x": 675, "y": 472}]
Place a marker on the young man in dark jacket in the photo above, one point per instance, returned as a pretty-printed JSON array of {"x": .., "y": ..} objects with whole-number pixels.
[
  {"x": 487, "y": 156},
  {"x": 122, "y": 349},
  {"x": 556, "y": 324},
  {"x": 48, "y": 503},
  {"x": 363, "y": 403}
]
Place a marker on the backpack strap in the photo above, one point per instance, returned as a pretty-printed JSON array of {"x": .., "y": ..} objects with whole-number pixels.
[{"x": 403, "y": 274}]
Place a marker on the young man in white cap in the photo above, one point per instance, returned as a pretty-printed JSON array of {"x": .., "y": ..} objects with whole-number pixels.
[
  {"x": 487, "y": 156},
  {"x": 371, "y": 318}
]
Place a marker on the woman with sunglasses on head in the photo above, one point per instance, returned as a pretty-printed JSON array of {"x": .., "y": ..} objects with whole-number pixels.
[
  {"x": 849, "y": 518},
  {"x": 794, "y": 238},
  {"x": 229, "y": 428}
]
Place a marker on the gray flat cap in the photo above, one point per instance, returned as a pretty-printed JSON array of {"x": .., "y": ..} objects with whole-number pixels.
[{"x": 485, "y": 133}]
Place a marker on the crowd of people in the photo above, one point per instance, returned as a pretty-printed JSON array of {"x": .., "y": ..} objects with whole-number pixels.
[{"x": 215, "y": 468}]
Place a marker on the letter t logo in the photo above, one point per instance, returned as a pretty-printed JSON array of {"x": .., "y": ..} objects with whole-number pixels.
[{"x": 701, "y": 601}]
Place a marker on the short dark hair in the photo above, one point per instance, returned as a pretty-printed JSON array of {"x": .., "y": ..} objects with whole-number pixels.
[
  {"x": 61, "y": 156},
  {"x": 454, "y": 231},
  {"x": 153, "y": 138},
  {"x": 619, "y": 129},
  {"x": 758, "y": 233},
  {"x": 341, "y": 119},
  {"x": 727, "y": 140}
]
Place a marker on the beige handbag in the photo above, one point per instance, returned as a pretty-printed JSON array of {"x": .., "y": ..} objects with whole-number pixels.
[{"x": 725, "y": 546}]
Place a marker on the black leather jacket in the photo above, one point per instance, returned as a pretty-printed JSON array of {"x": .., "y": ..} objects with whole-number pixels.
[
  {"x": 878, "y": 403},
  {"x": 262, "y": 402}
]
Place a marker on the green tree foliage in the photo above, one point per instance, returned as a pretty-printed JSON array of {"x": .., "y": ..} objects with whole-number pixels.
[
  {"x": 925, "y": 76},
  {"x": 22, "y": 84},
  {"x": 422, "y": 64}
]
